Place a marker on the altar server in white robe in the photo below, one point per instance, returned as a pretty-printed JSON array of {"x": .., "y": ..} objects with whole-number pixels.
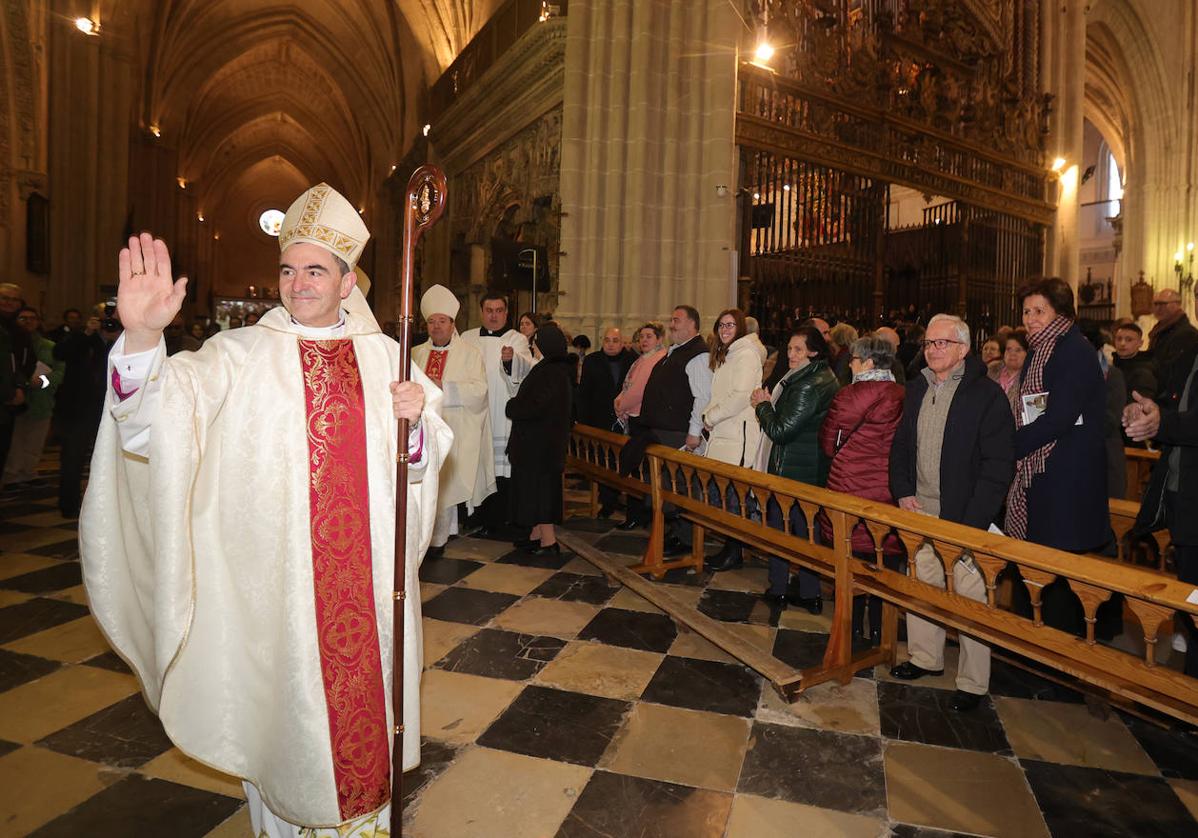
[
  {"x": 468, "y": 475},
  {"x": 508, "y": 359},
  {"x": 237, "y": 534}
]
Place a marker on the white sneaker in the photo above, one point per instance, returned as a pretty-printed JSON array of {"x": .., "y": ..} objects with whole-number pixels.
[{"x": 1179, "y": 642}]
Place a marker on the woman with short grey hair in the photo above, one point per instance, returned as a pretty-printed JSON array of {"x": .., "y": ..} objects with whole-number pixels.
[{"x": 856, "y": 435}]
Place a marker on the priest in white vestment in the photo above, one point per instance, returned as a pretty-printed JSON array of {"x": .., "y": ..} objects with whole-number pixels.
[
  {"x": 456, "y": 367},
  {"x": 237, "y": 536},
  {"x": 508, "y": 359}
]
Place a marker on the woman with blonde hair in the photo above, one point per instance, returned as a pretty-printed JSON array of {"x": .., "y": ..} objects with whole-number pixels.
[{"x": 737, "y": 358}]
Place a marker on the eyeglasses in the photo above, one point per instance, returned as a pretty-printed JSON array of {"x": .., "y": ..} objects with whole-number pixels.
[
  {"x": 729, "y": 324},
  {"x": 940, "y": 343}
]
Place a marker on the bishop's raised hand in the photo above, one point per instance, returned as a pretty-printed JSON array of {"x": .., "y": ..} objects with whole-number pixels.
[{"x": 148, "y": 296}]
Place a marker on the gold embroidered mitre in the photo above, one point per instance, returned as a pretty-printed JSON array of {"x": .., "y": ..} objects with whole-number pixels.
[{"x": 322, "y": 216}]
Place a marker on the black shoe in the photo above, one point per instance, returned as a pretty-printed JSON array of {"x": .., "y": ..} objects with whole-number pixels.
[
  {"x": 435, "y": 552},
  {"x": 674, "y": 547},
  {"x": 964, "y": 702},
  {"x": 724, "y": 560},
  {"x": 907, "y": 671},
  {"x": 813, "y": 604},
  {"x": 545, "y": 549},
  {"x": 526, "y": 543},
  {"x": 774, "y": 600},
  {"x": 629, "y": 524},
  {"x": 606, "y": 510}
]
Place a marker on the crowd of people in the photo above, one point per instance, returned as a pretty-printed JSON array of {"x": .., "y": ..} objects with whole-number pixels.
[
  {"x": 1025, "y": 436},
  {"x": 52, "y": 385}
]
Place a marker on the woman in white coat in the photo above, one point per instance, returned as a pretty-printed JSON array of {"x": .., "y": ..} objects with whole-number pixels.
[{"x": 737, "y": 359}]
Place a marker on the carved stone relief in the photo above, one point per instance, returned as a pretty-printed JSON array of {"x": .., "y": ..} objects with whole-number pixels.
[{"x": 514, "y": 191}]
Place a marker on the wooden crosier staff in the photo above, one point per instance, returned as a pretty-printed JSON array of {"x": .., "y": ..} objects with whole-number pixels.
[{"x": 425, "y": 203}]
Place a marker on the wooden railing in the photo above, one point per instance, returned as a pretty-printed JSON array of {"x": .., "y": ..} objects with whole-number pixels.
[
  {"x": 1139, "y": 468},
  {"x": 685, "y": 481}
]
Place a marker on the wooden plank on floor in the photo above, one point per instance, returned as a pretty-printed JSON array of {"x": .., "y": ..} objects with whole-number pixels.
[{"x": 786, "y": 680}]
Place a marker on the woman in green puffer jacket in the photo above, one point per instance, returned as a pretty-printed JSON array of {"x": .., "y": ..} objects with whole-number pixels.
[{"x": 790, "y": 420}]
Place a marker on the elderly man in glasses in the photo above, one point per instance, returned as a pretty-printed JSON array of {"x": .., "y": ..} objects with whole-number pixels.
[
  {"x": 1171, "y": 338},
  {"x": 953, "y": 457}
]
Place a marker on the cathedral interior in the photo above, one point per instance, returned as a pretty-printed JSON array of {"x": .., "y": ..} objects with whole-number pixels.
[{"x": 607, "y": 160}]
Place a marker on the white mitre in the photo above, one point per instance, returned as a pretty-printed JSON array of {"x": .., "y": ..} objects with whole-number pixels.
[
  {"x": 439, "y": 300},
  {"x": 322, "y": 216}
]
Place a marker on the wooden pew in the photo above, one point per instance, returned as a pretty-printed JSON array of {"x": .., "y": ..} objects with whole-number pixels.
[{"x": 682, "y": 479}]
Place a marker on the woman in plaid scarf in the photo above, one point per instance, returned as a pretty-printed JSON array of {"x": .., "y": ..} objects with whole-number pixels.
[{"x": 1058, "y": 497}]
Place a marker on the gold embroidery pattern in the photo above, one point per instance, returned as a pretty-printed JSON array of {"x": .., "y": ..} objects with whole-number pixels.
[
  {"x": 308, "y": 228},
  {"x": 347, "y": 632}
]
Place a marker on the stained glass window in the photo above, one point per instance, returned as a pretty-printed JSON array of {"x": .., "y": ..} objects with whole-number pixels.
[{"x": 270, "y": 222}]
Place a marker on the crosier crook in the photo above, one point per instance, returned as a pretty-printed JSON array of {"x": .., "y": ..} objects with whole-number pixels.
[{"x": 425, "y": 203}]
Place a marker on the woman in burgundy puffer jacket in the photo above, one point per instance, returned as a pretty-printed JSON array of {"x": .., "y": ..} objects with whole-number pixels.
[{"x": 856, "y": 434}]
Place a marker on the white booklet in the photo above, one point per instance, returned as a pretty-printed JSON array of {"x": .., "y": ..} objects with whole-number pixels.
[{"x": 1034, "y": 405}]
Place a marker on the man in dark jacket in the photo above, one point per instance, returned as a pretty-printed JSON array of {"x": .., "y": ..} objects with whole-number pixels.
[
  {"x": 672, "y": 412},
  {"x": 1172, "y": 494},
  {"x": 80, "y": 401},
  {"x": 953, "y": 457},
  {"x": 602, "y": 378},
  {"x": 1172, "y": 337}
]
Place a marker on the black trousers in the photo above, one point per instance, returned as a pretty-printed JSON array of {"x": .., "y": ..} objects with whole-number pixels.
[
  {"x": 77, "y": 433},
  {"x": 1185, "y": 557}
]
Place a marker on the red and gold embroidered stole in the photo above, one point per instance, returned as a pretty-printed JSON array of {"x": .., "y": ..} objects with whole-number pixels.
[
  {"x": 434, "y": 367},
  {"x": 347, "y": 633}
]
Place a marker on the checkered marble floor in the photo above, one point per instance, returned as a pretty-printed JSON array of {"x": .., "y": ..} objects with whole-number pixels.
[{"x": 555, "y": 704}]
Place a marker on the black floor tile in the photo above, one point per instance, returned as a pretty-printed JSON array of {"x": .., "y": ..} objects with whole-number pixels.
[
  {"x": 729, "y": 606},
  {"x": 576, "y": 587},
  {"x": 615, "y": 804},
  {"x": 633, "y": 629},
  {"x": 68, "y": 549},
  {"x": 924, "y": 714},
  {"x": 624, "y": 543},
  {"x": 142, "y": 806},
  {"x": 1015, "y": 682},
  {"x": 17, "y": 669},
  {"x": 704, "y": 685},
  {"x": 589, "y": 524},
  {"x": 20, "y": 509},
  {"x": 800, "y": 649},
  {"x": 34, "y": 615},
  {"x": 502, "y": 654},
  {"x": 467, "y": 605},
  {"x": 445, "y": 571},
  {"x": 687, "y": 576},
  {"x": 125, "y": 735},
  {"x": 558, "y": 725},
  {"x": 544, "y": 561},
  {"x": 47, "y": 580},
  {"x": 1175, "y": 752},
  {"x": 110, "y": 661},
  {"x": 906, "y": 830},
  {"x": 1090, "y": 801},
  {"x": 7, "y": 747},
  {"x": 838, "y": 771},
  {"x": 435, "y": 757}
]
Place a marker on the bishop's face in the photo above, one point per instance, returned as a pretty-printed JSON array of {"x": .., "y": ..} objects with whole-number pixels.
[
  {"x": 311, "y": 284},
  {"x": 440, "y": 329}
]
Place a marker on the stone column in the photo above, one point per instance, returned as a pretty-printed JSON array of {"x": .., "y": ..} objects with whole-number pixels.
[
  {"x": 1065, "y": 27},
  {"x": 647, "y": 136}
]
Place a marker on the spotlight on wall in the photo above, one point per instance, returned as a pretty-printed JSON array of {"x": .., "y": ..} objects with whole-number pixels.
[
  {"x": 763, "y": 53},
  {"x": 200, "y": 216},
  {"x": 87, "y": 26},
  {"x": 1058, "y": 163},
  {"x": 182, "y": 181},
  {"x": 155, "y": 130},
  {"x": 756, "y": 196},
  {"x": 394, "y": 166},
  {"x": 427, "y": 128}
]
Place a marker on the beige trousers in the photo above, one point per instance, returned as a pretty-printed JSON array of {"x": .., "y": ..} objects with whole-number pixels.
[{"x": 925, "y": 641}]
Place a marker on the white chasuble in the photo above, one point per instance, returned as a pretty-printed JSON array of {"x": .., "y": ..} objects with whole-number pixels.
[
  {"x": 244, "y": 568},
  {"x": 501, "y": 385},
  {"x": 468, "y": 474}
]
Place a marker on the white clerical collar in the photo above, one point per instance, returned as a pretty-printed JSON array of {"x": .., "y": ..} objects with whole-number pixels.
[{"x": 320, "y": 332}]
